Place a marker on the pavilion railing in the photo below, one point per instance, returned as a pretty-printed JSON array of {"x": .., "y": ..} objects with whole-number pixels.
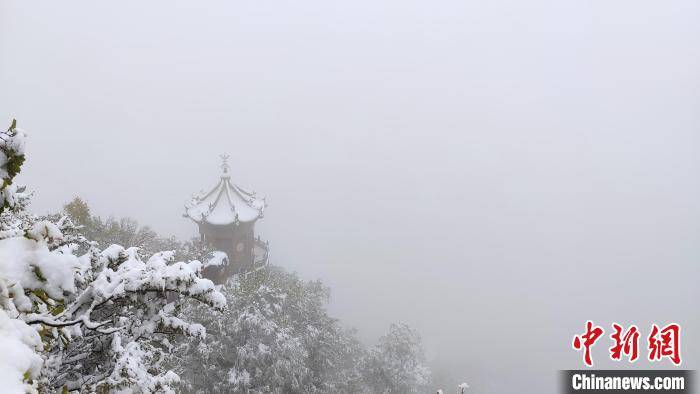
[{"x": 261, "y": 254}]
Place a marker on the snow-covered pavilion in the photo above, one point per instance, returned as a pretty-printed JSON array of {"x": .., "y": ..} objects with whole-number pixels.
[{"x": 226, "y": 217}]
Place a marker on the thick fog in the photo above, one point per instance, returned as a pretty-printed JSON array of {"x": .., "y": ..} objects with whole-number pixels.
[{"x": 491, "y": 173}]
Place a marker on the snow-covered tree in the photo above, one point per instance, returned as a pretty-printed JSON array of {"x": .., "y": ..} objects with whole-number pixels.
[
  {"x": 397, "y": 363},
  {"x": 73, "y": 317},
  {"x": 276, "y": 336},
  {"x": 122, "y": 319},
  {"x": 20, "y": 344}
]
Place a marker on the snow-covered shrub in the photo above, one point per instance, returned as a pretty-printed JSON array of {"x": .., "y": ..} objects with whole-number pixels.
[{"x": 73, "y": 317}]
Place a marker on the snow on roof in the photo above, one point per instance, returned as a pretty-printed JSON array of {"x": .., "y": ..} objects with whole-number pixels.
[{"x": 226, "y": 203}]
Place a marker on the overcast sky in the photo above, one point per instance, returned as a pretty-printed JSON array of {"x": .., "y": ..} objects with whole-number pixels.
[{"x": 492, "y": 173}]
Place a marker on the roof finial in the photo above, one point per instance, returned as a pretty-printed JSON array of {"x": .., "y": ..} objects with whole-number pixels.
[{"x": 224, "y": 164}]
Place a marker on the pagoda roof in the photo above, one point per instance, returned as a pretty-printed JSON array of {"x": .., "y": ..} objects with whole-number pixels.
[{"x": 225, "y": 204}]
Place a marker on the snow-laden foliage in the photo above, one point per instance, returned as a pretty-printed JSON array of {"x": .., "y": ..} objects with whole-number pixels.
[
  {"x": 126, "y": 312},
  {"x": 11, "y": 160},
  {"x": 20, "y": 344},
  {"x": 397, "y": 363},
  {"x": 275, "y": 337},
  {"x": 73, "y": 317}
]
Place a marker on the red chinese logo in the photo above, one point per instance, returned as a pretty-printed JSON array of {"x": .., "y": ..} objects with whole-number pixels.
[
  {"x": 587, "y": 340},
  {"x": 627, "y": 344},
  {"x": 665, "y": 342},
  {"x": 662, "y": 342}
]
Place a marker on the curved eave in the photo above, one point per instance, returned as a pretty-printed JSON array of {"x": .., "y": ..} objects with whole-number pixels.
[{"x": 222, "y": 224}]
